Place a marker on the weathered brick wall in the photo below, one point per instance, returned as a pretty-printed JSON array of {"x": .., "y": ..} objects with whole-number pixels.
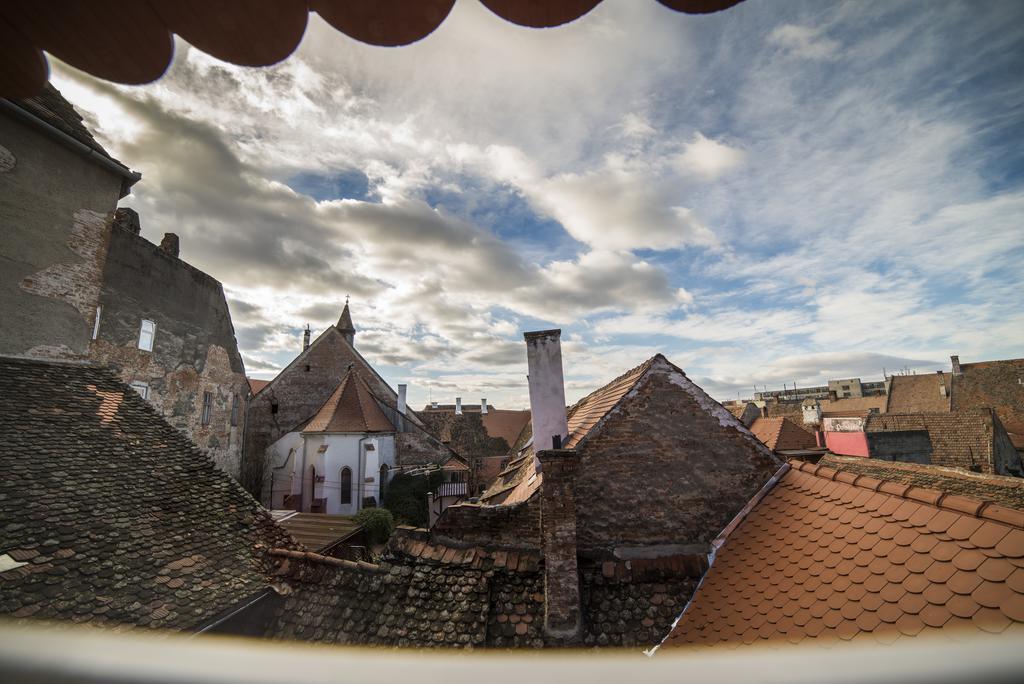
[
  {"x": 909, "y": 446},
  {"x": 55, "y": 209},
  {"x": 515, "y": 526},
  {"x": 664, "y": 471},
  {"x": 194, "y": 348},
  {"x": 558, "y": 542}
]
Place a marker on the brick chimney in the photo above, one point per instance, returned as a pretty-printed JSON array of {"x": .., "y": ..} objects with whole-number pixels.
[
  {"x": 458, "y": 406},
  {"x": 483, "y": 407},
  {"x": 128, "y": 219},
  {"x": 558, "y": 543},
  {"x": 170, "y": 244},
  {"x": 401, "y": 398},
  {"x": 955, "y": 361},
  {"x": 547, "y": 388}
]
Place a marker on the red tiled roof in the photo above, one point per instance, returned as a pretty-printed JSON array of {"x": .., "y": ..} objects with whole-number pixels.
[
  {"x": 829, "y": 554},
  {"x": 350, "y": 408},
  {"x": 782, "y": 433},
  {"x": 256, "y": 385}
]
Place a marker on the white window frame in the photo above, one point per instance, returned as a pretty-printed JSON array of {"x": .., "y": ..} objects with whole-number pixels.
[
  {"x": 207, "y": 411},
  {"x": 144, "y": 343},
  {"x": 96, "y": 325},
  {"x": 141, "y": 387}
]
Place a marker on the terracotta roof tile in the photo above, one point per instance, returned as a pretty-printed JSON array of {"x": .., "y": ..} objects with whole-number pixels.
[
  {"x": 933, "y": 563},
  {"x": 350, "y": 408}
]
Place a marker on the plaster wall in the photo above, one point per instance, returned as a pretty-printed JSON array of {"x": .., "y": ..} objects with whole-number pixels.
[{"x": 55, "y": 211}]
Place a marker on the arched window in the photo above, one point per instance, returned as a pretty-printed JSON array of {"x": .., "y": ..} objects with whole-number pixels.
[
  {"x": 346, "y": 485},
  {"x": 383, "y": 482}
]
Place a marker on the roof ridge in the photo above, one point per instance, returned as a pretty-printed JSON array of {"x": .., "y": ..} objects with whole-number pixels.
[
  {"x": 956, "y": 503},
  {"x": 325, "y": 560},
  {"x": 636, "y": 369}
]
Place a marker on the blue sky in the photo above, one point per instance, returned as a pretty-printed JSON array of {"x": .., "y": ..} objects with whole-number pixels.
[{"x": 782, "y": 192}]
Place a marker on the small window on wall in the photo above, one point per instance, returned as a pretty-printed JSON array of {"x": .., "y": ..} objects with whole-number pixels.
[
  {"x": 346, "y": 485},
  {"x": 142, "y": 388},
  {"x": 147, "y": 333},
  {"x": 207, "y": 407}
]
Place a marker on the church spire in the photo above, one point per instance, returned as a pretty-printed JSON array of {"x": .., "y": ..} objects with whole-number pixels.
[{"x": 345, "y": 326}]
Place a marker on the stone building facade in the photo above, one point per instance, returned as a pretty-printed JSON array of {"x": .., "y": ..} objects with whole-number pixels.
[
  {"x": 164, "y": 327},
  {"x": 79, "y": 283},
  {"x": 285, "y": 404}
]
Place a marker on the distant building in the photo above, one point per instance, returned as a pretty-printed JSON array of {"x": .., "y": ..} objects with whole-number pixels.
[
  {"x": 971, "y": 440},
  {"x": 782, "y": 434},
  {"x": 328, "y": 432},
  {"x": 482, "y": 434}
]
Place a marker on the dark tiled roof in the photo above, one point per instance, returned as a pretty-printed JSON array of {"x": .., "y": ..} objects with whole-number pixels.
[
  {"x": 1000, "y": 489},
  {"x": 960, "y": 439},
  {"x": 118, "y": 517},
  {"x": 830, "y": 554},
  {"x": 994, "y": 384},
  {"x": 782, "y": 434},
  {"x": 51, "y": 107},
  {"x": 395, "y": 603},
  {"x": 919, "y": 393},
  {"x": 430, "y": 595},
  {"x": 350, "y": 408}
]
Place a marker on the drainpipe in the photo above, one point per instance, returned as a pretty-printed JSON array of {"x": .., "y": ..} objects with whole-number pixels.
[
  {"x": 130, "y": 177},
  {"x": 360, "y": 472}
]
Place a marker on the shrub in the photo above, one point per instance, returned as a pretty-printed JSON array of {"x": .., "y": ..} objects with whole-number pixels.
[
  {"x": 378, "y": 523},
  {"x": 406, "y": 497}
]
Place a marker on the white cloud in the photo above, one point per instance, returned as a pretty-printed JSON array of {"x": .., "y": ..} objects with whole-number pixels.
[
  {"x": 708, "y": 158},
  {"x": 803, "y": 41}
]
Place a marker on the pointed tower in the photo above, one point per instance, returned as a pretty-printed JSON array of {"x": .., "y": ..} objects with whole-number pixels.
[{"x": 345, "y": 326}]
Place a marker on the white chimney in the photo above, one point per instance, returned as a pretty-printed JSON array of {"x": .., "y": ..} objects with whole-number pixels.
[
  {"x": 483, "y": 407},
  {"x": 401, "y": 398},
  {"x": 547, "y": 388},
  {"x": 458, "y": 406}
]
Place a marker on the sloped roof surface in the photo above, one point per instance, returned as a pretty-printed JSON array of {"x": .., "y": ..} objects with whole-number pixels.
[
  {"x": 256, "y": 385},
  {"x": 316, "y": 531},
  {"x": 350, "y": 408},
  {"x": 516, "y": 482},
  {"x": 1001, "y": 489},
  {"x": 829, "y": 554},
  {"x": 782, "y": 433},
  {"x": 919, "y": 393},
  {"x": 994, "y": 384},
  {"x": 52, "y": 108},
  {"x": 855, "y": 404},
  {"x": 118, "y": 518}
]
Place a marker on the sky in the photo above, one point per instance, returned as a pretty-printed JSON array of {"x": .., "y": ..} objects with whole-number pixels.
[{"x": 783, "y": 192}]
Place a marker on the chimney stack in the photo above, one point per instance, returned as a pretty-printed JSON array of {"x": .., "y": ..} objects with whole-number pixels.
[
  {"x": 170, "y": 244},
  {"x": 547, "y": 388},
  {"x": 942, "y": 384},
  {"x": 305, "y": 338},
  {"x": 401, "y": 398},
  {"x": 558, "y": 543},
  {"x": 483, "y": 407},
  {"x": 955, "y": 361},
  {"x": 458, "y": 406},
  {"x": 128, "y": 219}
]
